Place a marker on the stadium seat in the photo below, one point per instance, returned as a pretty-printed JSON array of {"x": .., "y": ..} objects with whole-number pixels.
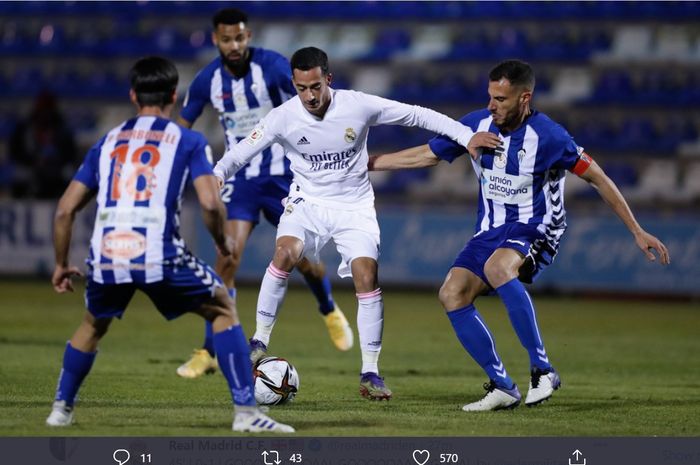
[
  {"x": 11, "y": 38},
  {"x": 409, "y": 88},
  {"x": 373, "y": 80},
  {"x": 593, "y": 134},
  {"x": 27, "y": 81},
  {"x": 568, "y": 86},
  {"x": 629, "y": 43},
  {"x": 472, "y": 44},
  {"x": 636, "y": 134},
  {"x": 672, "y": 43},
  {"x": 318, "y": 35},
  {"x": 387, "y": 43},
  {"x": 281, "y": 37},
  {"x": 612, "y": 86},
  {"x": 353, "y": 41},
  {"x": 511, "y": 42},
  {"x": 626, "y": 86},
  {"x": 690, "y": 183},
  {"x": 658, "y": 181},
  {"x": 429, "y": 42}
]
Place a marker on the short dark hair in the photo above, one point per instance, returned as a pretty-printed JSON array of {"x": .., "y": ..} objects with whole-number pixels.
[
  {"x": 229, "y": 16},
  {"x": 518, "y": 72},
  {"x": 154, "y": 79},
  {"x": 308, "y": 58}
]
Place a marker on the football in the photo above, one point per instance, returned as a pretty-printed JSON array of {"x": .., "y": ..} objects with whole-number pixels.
[{"x": 276, "y": 381}]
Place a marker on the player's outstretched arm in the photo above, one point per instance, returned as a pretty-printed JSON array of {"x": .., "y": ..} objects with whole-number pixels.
[
  {"x": 76, "y": 196},
  {"x": 482, "y": 140},
  {"x": 237, "y": 156},
  {"x": 415, "y": 157},
  {"x": 607, "y": 189},
  {"x": 213, "y": 211}
]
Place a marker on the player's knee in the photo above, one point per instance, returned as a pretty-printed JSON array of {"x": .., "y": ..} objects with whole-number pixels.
[
  {"x": 365, "y": 282},
  {"x": 498, "y": 274},
  {"x": 94, "y": 329},
  {"x": 453, "y": 296},
  {"x": 285, "y": 257},
  {"x": 448, "y": 295},
  {"x": 227, "y": 266}
]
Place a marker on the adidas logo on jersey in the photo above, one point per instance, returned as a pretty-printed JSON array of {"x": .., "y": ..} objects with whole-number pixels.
[{"x": 303, "y": 141}]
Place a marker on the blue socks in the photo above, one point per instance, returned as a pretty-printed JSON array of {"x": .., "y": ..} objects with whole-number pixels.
[
  {"x": 522, "y": 317},
  {"x": 476, "y": 339},
  {"x": 233, "y": 355},
  {"x": 76, "y": 366},
  {"x": 209, "y": 332},
  {"x": 322, "y": 291},
  {"x": 208, "y": 338}
]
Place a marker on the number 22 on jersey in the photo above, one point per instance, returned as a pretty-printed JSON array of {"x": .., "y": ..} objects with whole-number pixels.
[{"x": 141, "y": 181}]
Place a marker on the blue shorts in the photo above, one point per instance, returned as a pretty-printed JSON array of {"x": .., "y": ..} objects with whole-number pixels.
[
  {"x": 517, "y": 236},
  {"x": 183, "y": 288},
  {"x": 246, "y": 198}
]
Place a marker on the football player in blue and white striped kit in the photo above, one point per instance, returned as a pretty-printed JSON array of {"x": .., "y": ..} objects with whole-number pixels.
[
  {"x": 520, "y": 157},
  {"x": 243, "y": 84},
  {"x": 138, "y": 172}
]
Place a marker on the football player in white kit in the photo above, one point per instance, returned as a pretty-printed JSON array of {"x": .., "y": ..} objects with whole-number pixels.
[{"x": 324, "y": 133}]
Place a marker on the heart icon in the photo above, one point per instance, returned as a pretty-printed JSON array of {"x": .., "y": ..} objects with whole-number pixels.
[{"x": 421, "y": 456}]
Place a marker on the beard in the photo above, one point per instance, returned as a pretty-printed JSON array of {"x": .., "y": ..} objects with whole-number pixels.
[{"x": 237, "y": 63}]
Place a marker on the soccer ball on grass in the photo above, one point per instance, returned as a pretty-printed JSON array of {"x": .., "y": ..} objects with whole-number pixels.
[{"x": 276, "y": 381}]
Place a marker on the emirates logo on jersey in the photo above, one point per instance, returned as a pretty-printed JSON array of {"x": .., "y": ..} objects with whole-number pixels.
[{"x": 350, "y": 135}]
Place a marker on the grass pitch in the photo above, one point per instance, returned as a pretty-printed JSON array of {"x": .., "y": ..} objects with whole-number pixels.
[{"x": 628, "y": 369}]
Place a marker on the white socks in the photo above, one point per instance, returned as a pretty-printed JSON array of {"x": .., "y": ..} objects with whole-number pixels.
[
  {"x": 370, "y": 323},
  {"x": 272, "y": 291}
]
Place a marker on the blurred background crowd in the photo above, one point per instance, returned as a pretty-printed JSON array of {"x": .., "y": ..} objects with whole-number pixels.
[{"x": 622, "y": 77}]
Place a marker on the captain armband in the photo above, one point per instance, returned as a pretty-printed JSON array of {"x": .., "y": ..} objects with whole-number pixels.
[{"x": 582, "y": 164}]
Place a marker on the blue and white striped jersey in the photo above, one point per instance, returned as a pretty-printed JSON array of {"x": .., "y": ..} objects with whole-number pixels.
[
  {"x": 525, "y": 182},
  {"x": 242, "y": 103},
  {"x": 139, "y": 170}
]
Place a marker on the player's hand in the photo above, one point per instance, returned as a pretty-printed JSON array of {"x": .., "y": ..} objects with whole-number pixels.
[
  {"x": 220, "y": 182},
  {"x": 62, "y": 278},
  {"x": 482, "y": 140},
  {"x": 226, "y": 249},
  {"x": 647, "y": 243}
]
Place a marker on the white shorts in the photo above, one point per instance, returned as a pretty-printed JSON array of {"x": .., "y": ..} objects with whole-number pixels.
[{"x": 354, "y": 232}]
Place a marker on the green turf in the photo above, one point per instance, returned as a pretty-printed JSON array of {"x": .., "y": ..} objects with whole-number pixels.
[{"x": 628, "y": 368}]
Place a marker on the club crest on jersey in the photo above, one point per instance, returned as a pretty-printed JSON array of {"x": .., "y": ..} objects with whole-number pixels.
[
  {"x": 288, "y": 209},
  {"x": 255, "y": 136},
  {"x": 521, "y": 155},
  {"x": 499, "y": 160},
  {"x": 350, "y": 135}
]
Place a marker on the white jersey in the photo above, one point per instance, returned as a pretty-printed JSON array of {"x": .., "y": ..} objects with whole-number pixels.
[{"x": 329, "y": 155}]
